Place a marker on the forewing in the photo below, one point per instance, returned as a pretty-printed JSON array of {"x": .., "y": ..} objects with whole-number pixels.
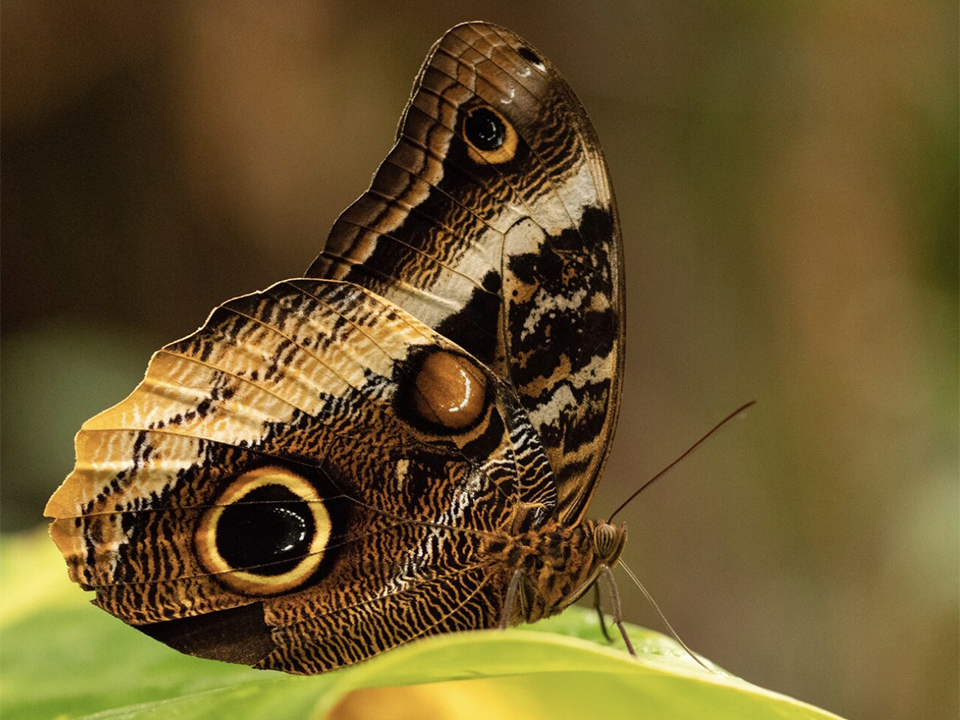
[{"x": 493, "y": 221}]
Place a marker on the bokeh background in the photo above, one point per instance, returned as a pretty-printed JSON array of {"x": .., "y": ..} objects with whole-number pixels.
[{"x": 788, "y": 184}]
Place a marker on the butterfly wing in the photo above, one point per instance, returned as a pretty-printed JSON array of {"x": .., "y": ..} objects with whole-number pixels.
[
  {"x": 493, "y": 221},
  {"x": 305, "y": 481}
]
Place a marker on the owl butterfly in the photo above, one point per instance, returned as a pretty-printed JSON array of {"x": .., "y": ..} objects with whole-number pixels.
[{"x": 404, "y": 442}]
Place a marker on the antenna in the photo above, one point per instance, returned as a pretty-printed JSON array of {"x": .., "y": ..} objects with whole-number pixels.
[{"x": 672, "y": 465}]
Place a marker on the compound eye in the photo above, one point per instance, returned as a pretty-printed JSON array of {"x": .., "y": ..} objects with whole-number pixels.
[{"x": 608, "y": 541}]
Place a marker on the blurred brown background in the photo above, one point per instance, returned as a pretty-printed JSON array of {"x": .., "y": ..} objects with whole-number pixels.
[{"x": 787, "y": 176}]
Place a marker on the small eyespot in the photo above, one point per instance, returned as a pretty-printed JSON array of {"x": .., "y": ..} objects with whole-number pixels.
[
  {"x": 489, "y": 135},
  {"x": 265, "y": 534},
  {"x": 531, "y": 57},
  {"x": 450, "y": 391},
  {"x": 443, "y": 393}
]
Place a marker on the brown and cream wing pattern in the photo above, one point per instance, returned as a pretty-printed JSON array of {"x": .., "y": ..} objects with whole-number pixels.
[
  {"x": 493, "y": 221},
  {"x": 403, "y": 443},
  {"x": 312, "y": 477}
]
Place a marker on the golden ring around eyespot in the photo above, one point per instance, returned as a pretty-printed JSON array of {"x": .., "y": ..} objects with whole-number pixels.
[{"x": 252, "y": 583}]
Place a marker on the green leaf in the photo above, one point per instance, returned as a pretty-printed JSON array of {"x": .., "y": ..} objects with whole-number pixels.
[{"x": 62, "y": 658}]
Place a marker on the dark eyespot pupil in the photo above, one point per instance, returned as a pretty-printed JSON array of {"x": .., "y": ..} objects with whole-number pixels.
[
  {"x": 530, "y": 56},
  {"x": 267, "y": 532},
  {"x": 484, "y": 129}
]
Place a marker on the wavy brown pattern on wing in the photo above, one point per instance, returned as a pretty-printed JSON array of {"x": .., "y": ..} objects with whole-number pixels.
[
  {"x": 405, "y": 445},
  {"x": 303, "y": 376}
]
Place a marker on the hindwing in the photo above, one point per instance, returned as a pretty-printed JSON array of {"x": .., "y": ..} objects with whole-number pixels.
[{"x": 310, "y": 478}]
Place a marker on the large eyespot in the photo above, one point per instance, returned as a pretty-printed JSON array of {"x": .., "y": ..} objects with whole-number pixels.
[
  {"x": 445, "y": 392},
  {"x": 266, "y": 534},
  {"x": 490, "y": 137}
]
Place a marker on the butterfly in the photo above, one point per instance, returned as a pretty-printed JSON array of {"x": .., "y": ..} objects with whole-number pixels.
[{"x": 405, "y": 441}]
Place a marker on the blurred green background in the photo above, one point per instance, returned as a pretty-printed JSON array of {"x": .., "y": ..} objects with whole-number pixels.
[{"x": 788, "y": 183}]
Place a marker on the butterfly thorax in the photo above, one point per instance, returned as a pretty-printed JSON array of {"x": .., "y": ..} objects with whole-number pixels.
[{"x": 558, "y": 562}]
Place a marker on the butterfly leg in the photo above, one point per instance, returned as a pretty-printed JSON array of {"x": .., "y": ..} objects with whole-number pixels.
[
  {"x": 511, "y": 598},
  {"x": 617, "y": 610},
  {"x": 596, "y": 604}
]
